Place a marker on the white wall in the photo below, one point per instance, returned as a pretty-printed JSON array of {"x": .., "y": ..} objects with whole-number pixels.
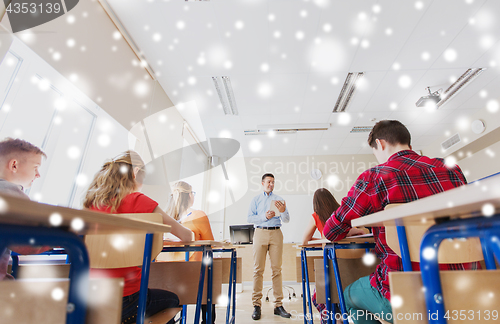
[{"x": 482, "y": 163}]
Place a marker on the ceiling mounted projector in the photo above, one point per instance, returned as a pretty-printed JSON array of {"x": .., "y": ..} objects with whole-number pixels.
[{"x": 432, "y": 99}]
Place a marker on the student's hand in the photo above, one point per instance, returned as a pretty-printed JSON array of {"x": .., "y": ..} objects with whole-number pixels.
[
  {"x": 355, "y": 231},
  {"x": 270, "y": 214},
  {"x": 280, "y": 205}
]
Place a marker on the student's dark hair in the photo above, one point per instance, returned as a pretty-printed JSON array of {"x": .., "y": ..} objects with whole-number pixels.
[
  {"x": 324, "y": 204},
  {"x": 392, "y": 131},
  {"x": 11, "y": 147},
  {"x": 267, "y": 175}
]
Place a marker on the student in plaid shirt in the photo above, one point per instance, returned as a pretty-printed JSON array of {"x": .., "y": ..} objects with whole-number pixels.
[{"x": 402, "y": 176}]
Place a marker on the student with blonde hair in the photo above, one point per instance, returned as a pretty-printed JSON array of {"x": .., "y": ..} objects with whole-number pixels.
[
  {"x": 19, "y": 163},
  {"x": 116, "y": 189},
  {"x": 180, "y": 208}
]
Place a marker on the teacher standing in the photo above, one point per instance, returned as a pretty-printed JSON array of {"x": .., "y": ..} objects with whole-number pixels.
[{"x": 268, "y": 238}]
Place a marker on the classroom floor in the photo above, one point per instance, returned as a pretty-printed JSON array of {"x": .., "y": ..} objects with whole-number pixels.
[{"x": 244, "y": 307}]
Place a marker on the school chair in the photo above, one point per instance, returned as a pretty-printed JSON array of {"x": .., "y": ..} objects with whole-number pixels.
[
  {"x": 40, "y": 293},
  {"x": 181, "y": 278},
  {"x": 450, "y": 251},
  {"x": 464, "y": 291},
  {"x": 469, "y": 297},
  {"x": 108, "y": 251},
  {"x": 178, "y": 277}
]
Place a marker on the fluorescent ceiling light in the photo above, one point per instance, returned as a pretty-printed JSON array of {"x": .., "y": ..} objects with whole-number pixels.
[
  {"x": 347, "y": 91},
  {"x": 286, "y": 128},
  {"x": 268, "y": 132},
  {"x": 320, "y": 126},
  {"x": 226, "y": 96},
  {"x": 361, "y": 129},
  {"x": 464, "y": 80}
]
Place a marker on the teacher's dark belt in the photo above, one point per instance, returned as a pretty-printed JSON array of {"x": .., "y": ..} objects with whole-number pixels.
[{"x": 268, "y": 228}]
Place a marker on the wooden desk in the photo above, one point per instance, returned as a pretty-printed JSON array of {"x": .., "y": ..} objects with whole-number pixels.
[
  {"x": 462, "y": 202},
  {"x": 20, "y": 211},
  {"x": 306, "y": 290},
  {"x": 207, "y": 247},
  {"x": 30, "y": 223},
  {"x": 329, "y": 253},
  {"x": 213, "y": 244}
]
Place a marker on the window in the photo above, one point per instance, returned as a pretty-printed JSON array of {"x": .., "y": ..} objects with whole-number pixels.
[{"x": 40, "y": 106}]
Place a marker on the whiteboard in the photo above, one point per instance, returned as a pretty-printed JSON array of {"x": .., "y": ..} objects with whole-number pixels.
[{"x": 300, "y": 208}]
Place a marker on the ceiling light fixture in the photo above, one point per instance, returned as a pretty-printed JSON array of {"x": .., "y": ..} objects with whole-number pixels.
[
  {"x": 286, "y": 128},
  {"x": 464, "y": 80},
  {"x": 437, "y": 99},
  {"x": 347, "y": 91},
  {"x": 267, "y": 132},
  {"x": 230, "y": 95},
  {"x": 361, "y": 129},
  {"x": 226, "y": 95}
]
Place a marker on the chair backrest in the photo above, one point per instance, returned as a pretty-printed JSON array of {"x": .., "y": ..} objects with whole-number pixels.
[
  {"x": 122, "y": 250},
  {"x": 450, "y": 251},
  {"x": 181, "y": 278},
  {"x": 470, "y": 292},
  {"x": 28, "y": 300}
]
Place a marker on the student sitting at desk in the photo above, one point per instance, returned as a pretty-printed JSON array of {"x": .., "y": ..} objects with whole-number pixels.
[
  {"x": 324, "y": 205},
  {"x": 19, "y": 163},
  {"x": 179, "y": 208},
  {"x": 116, "y": 189},
  {"x": 402, "y": 176}
]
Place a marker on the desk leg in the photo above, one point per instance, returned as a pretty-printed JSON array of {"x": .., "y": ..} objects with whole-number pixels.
[
  {"x": 210, "y": 260},
  {"x": 143, "y": 292},
  {"x": 231, "y": 289},
  {"x": 489, "y": 258},
  {"x": 494, "y": 245},
  {"x": 233, "y": 319},
  {"x": 200, "y": 288},
  {"x": 403, "y": 247},
  {"x": 340, "y": 291},
  {"x": 184, "y": 307},
  {"x": 77, "y": 252},
  {"x": 15, "y": 264},
  {"x": 304, "y": 293},
  {"x": 308, "y": 289},
  {"x": 328, "y": 297}
]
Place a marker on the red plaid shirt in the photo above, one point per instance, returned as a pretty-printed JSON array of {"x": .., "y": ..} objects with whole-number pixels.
[{"x": 405, "y": 177}]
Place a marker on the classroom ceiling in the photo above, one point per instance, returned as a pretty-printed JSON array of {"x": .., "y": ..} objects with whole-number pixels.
[{"x": 287, "y": 61}]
